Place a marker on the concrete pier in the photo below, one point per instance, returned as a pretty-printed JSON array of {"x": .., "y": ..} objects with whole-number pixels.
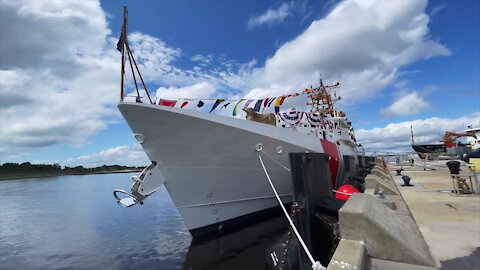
[
  {"x": 424, "y": 226},
  {"x": 450, "y": 223}
]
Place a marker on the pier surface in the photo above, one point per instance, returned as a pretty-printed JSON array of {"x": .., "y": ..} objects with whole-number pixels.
[
  {"x": 449, "y": 223},
  {"x": 420, "y": 226}
]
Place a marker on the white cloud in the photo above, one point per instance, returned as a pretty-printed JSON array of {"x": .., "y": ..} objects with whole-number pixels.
[
  {"x": 61, "y": 83},
  {"x": 361, "y": 44},
  {"x": 271, "y": 16},
  {"x": 199, "y": 90},
  {"x": 156, "y": 63},
  {"x": 202, "y": 59},
  {"x": 127, "y": 155},
  {"x": 437, "y": 9},
  {"x": 410, "y": 104},
  {"x": 395, "y": 137},
  {"x": 155, "y": 59},
  {"x": 58, "y": 84}
]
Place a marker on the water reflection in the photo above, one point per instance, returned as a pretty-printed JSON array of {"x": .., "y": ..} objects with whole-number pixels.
[
  {"x": 74, "y": 222},
  {"x": 244, "y": 249}
]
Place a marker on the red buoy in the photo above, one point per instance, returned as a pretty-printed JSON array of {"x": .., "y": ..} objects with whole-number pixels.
[{"x": 345, "y": 191}]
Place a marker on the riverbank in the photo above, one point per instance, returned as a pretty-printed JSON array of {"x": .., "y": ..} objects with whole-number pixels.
[{"x": 44, "y": 175}]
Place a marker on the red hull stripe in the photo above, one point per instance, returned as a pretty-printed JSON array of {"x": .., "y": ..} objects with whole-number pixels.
[{"x": 331, "y": 149}]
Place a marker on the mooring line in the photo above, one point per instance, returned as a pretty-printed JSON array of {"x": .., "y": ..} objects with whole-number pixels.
[
  {"x": 344, "y": 193},
  {"x": 276, "y": 161},
  {"x": 316, "y": 265}
]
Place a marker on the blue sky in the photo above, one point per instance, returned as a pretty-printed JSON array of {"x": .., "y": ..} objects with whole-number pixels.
[{"x": 400, "y": 63}]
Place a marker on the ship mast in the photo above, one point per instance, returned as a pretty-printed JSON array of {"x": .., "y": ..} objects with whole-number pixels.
[
  {"x": 322, "y": 102},
  {"x": 123, "y": 46}
]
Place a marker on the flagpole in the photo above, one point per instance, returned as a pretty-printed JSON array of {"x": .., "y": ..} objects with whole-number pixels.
[{"x": 123, "y": 35}]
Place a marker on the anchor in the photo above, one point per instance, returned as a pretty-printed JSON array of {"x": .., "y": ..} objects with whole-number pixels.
[{"x": 144, "y": 185}]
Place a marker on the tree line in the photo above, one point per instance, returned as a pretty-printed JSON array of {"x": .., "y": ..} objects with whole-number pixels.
[{"x": 29, "y": 168}]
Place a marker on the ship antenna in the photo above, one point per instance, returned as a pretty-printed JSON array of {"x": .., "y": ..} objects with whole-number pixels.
[{"x": 321, "y": 100}]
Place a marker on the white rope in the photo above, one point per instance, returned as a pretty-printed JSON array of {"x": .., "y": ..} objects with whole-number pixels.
[
  {"x": 316, "y": 265},
  {"x": 276, "y": 161},
  {"x": 344, "y": 193}
]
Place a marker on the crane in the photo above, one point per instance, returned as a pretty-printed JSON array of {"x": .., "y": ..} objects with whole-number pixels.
[{"x": 450, "y": 137}]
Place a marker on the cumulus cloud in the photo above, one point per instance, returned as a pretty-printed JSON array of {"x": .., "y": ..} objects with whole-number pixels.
[
  {"x": 59, "y": 73},
  {"x": 410, "y": 104},
  {"x": 362, "y": 44},
  {"x": 57, "y": 84},
  {"x": 395, "y": 137},
  {"x": 271, "y": 16},
  {"x": 127, "y": 155},
  {"x": 209, "y": 74},
  {"x": 30, "y": 34},
  {"x": 60, "y": 85},
  {"x": 199, "y": 90}
]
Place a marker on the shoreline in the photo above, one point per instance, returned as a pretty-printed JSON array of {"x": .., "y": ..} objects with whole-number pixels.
[{"x": 29, "y": 176}]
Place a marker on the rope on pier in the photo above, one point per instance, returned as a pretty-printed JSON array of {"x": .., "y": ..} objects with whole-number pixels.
[
  {"x": 316, "y": 265},
  {"x": 344, "y": 193}
]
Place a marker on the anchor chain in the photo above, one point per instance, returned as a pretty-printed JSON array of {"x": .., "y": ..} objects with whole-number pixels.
[
  {"x": 332, "y": 223},
  {"x": 295, "y": 209},
  {"x": 336, "y": 238}
]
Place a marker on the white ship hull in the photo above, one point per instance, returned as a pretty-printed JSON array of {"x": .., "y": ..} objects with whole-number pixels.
[{"x": 209, "y": 162}]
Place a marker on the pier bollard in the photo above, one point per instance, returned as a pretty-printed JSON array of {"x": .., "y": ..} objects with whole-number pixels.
[
  {"x": 406, "y": 181},
  {"x": 454, "y": 168}
]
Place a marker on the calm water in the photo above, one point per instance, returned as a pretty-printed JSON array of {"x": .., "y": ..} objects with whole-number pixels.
[{"x": 74, "y": 222}]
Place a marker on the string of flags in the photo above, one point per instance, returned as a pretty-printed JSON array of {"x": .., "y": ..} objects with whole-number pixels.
[
  {"x": 290, "y": 116},
  {"x": 265, "y": 105},
  {"x": 294, "y": 117}
]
